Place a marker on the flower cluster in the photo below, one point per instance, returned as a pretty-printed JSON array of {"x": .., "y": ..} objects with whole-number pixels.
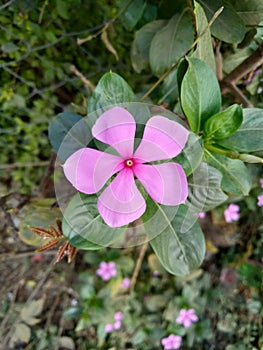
[
  {"x": 110, "y": 327},
  {"x": 121, "y": 202},
  {"x": 186, "y": 318},
  {"x": 107, "y": 270},
  {"x": 232, "y": 213}
]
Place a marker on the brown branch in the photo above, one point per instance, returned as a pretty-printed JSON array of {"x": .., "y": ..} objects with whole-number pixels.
[
  {"x": 84, "y": 80},
  {"x": 249, "y": 64},
  {"x": 138, "y": 265}
]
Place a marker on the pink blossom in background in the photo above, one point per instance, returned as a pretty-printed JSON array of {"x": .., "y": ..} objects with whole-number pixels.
[
  {"x": 126, "y": 282},
  {"x": 109, "y": 328},
  {"x": 261, "y": 183},
  {"x": 186, "y": 317},
  {"x": 118, "y": 316},
  {"x": 232, "y": 213},
  {"x": 172, "y": 342},
  {"x": 117, "y": 325},
  {"x": 106, "y": 270},
  {"x": 202, "y": 215},
  {"x": 260, "y": 200},
  {"x": 121, "y": 202}
]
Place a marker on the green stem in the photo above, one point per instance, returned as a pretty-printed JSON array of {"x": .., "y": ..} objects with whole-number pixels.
[{"x": 230, "y": 154}]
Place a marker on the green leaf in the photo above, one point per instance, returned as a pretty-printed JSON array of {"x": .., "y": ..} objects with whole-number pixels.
[
  {"x": 204, "y": 49},
  {"x": 200, "y": 93},
  {"x": 63, "y": 9},
  {"x": 67, "y": 133},
  {"x": 223, "y": 124},
  {"x": 236, "y": 178},
  {"x": 171, "y": 42},
  {"x": 192, "y": 154},
  {"x": 251, "y": 11},
  {"x": 111, "y": 90},
  {"x": 83, "y": 226},
  {"x": 228, "y": 26},
  {"x": 141, "y": 44},
  {"x": 249, "y": 137},
  {"x": 132, "y": 13},
  {"x": 180, "y": 246},
  {"x": 205, "y": 191}
]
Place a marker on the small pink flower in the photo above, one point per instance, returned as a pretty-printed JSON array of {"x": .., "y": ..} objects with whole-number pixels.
[
  {"x": 106, "y": 270},
  {"x": 121, "y": 202},
  {"x": 202, "y": 215},
  {"x": 261, "y": 183},
  {"x": 117, "y": 325},
  {"x": 126, "y": 282},
  {"x": 118, "y": 316},
  {"x": 186, "y": 317},
  {"x": 109, "y": 328},
  {"x": 260, "y": 200},
  {"x": 172, "y": 342},
  {"x": 232, "y": 213}
]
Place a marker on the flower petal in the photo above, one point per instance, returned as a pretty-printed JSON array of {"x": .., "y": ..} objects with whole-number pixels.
[
  {"x": 121, "y": 202},
  {"x": 88, "y": 169},
  {"x": 166, "y": 183},
  {"x": 116, "y": 127},
  {"x": 162, "y": 139}
]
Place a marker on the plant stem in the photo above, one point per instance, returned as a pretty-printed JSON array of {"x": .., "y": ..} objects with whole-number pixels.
[{"x": 138, "y": 265}]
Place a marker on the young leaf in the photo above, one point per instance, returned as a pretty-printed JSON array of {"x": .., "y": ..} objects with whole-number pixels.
[
  {"x": 67, "y": 133},
  {"x": 132, "y": 13},
  {"x": 180, "y": 250},
  {"x": 205, "y": 191},
  {"x": 228, "y": 27},
  {"x": 249, "y": 137},
  {"x": 200, "y": 93},
  {"x": 236, "y": 178},
  {"x": 83, "y": 226},
  {"x": 111, "y": 90},
  {"x": 171, "y": 42},
  {"x": 223, "y": 124},
  {"x": 141, "y": 45},
  {"x": 204, "y": 49}
]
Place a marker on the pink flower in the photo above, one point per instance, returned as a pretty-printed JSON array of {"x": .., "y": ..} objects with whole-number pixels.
[
  {"x": 126, "y": 282},
  {"x": 118, "y": 316},
  {"x": 260, "y": 200},
  {"x": 172, "y": 342},
  {"x": 261, "y": 183},
  {"x": 109, "y": 328},
  {"x": 117, "y": 325},
  {"x": 186, "y": 317},
  {"x": 232, "y": 213},
  {"x": 202, "y": 215},
  {"x": 121, "y": 202},
  {"x": 106, "y": 270}
]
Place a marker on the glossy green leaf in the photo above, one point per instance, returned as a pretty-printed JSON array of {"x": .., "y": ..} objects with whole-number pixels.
[
  {"x": 67, "y": 133},
  {"x": 132, "y": 13},
  {"x": 141, "y": 45},
  {"x": 204, "y": 49},
  {"x": 171, "y": 42},
  {"x": 192, "y": 154},
  {"x": 83, "y": 226},
  {"x": 228, "y": 26},
  {"x": 111, "y": 90},
  {"x": 249, "y": 137},
  {"x": 223, "y": 124},
  {"x": 180, "y": 246},
  {"x": 200, "y": 93},
  {"x": 205, "y": 191},
  {"x": 236, "y": 178},
  {"x": 251, "y": 11}
]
